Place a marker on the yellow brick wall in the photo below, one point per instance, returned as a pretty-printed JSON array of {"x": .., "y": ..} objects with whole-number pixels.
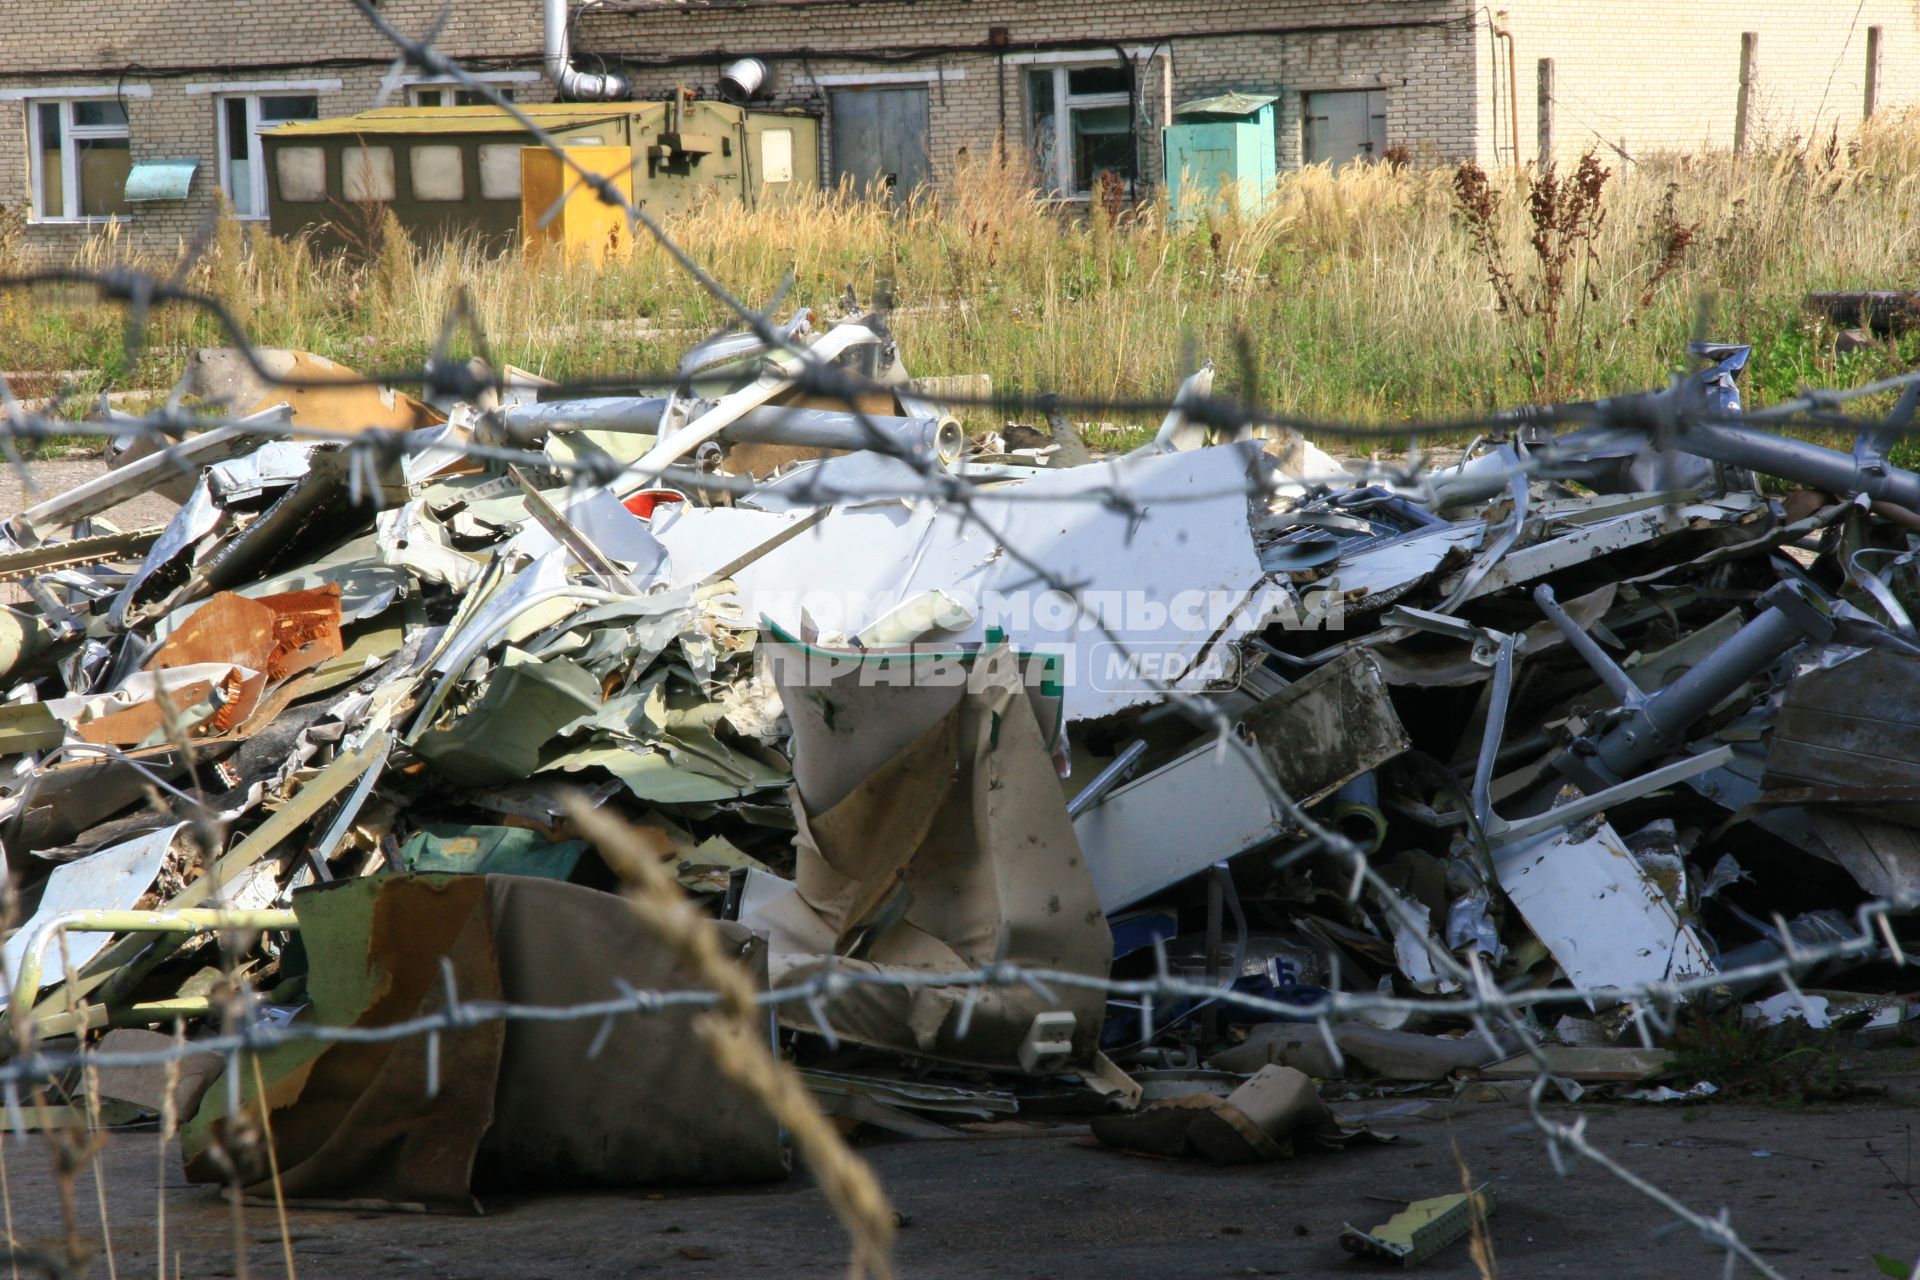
[
  {"x": 166, "y": 45},
  {"x": 1645, "y": 76},
  {"x": 1420, "y": 52}
]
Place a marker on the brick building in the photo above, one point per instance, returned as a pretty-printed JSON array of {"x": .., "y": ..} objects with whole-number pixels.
[{"x": 94, "y": 93}]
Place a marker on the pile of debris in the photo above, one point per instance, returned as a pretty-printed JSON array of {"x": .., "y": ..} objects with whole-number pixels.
[{"x": 986, "y": 745}]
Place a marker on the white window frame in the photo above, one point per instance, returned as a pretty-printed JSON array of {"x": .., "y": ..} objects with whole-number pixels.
[
  {"x": 499, "y": 79},
  {"x": 1061, "y": 179},
  {"x": 256, "y": 150},
  {"x": 272, "y": 88},
  {"x": 69, "y": 214}
]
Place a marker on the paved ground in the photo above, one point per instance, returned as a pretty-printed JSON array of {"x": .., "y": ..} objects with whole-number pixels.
[
  {"x": 1803, "y": 1185},
  {"x": 58, "y": 476}
]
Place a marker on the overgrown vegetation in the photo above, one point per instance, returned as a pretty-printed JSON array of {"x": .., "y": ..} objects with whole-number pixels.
[
  {"x": 1752, "y": 1060},
  {"x": 1380, "y": 294}
]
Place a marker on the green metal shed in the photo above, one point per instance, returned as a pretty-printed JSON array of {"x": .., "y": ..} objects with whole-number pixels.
[
  {"x": 456, "y": 170},
  {"x": 1220, "y": 154}
]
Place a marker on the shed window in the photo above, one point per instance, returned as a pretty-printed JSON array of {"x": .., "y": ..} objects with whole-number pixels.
[
  {"x": 1081, "y": 126},
  {"x": 500, "y": 171},
  {"x": 80, "y": 159},
  {"x": 243, "y": 162},
  {"x": 366, "y": 174},
  {"x": 303, "y": 173},
  {"x": 437, "y": 173}
]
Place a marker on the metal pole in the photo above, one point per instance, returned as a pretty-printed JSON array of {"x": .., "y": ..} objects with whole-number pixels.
[
  {"x": 1862, "y": 471},
  {"x": 1108, "y": 778},
  {"x": 1657, "y": 726},
  {"x": 1513, "y": 98},
  {"x": 27, "y": 983},
  {"x": 1216, "y": 910}
]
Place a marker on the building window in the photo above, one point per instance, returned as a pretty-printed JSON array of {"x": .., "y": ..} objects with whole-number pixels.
[
  {"x": 243, "y": 164},
  {"x": 1081, "y": 126},
  {"x": 451, "y": 95},
  {"x": 366, "y": 175},
  {"x": 80, "y": 159}
]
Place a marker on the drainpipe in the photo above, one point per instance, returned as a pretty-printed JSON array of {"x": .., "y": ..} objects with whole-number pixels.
[
  {"x": 573, "y": 83},
  {"x": 1499, "y": 29}
]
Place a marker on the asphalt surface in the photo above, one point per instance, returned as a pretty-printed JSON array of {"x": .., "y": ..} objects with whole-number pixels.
[{"x": 1814, "y": 1190}]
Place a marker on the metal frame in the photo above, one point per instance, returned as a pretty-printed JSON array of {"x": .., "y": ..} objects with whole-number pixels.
[
  {"x": 26, "y": 984},
  {"x": 1060, "y": 181},
  {"x": 1651, "y": 725}
]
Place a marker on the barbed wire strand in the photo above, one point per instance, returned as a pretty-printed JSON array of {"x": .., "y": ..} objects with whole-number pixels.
[{"x": 1475, "y": 996}]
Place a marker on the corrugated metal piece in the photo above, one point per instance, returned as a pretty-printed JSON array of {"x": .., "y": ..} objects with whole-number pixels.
[
  {"x": 1225, "y": 104},
  {"x": 160, "y": 179}
]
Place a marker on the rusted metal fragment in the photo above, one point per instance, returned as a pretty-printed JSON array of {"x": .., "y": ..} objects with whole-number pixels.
[{"x": 356, "y": 1121}]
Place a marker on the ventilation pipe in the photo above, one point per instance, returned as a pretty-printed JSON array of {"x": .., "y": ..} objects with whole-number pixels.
[
  {"x": 744, "y": 80},
  {"x": 584, "y": 86}
]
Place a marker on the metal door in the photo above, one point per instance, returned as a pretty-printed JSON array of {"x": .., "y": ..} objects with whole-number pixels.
[
  {"x": 880, "y": 138},
  {"x": 1347, "y": 126},
  {"x": 1200, "y": 165}
]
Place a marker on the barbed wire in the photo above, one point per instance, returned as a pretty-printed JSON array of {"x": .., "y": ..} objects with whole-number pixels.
[
  {"x": 1480, "y": 1001},
  {"x": 1654, "y": 1002},
  {"x": 1477, "y": 998}
]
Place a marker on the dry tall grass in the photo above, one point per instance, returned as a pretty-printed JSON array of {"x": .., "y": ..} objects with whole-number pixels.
[{"x": 1358, "y": 296}]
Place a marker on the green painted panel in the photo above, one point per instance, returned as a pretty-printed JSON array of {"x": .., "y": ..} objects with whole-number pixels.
[{"x": 479, "y": 850}]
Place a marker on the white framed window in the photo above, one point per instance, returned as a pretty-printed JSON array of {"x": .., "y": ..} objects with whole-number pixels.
[
  {"x": 452, "y": 95},
  {"x": 243, "y": 160},
  {"x": 79, "y": 159},
  {"x": 1080, "y": 125}
]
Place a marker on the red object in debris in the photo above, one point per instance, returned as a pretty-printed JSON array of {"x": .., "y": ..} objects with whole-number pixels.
[{"x": 643, "y": 503}]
